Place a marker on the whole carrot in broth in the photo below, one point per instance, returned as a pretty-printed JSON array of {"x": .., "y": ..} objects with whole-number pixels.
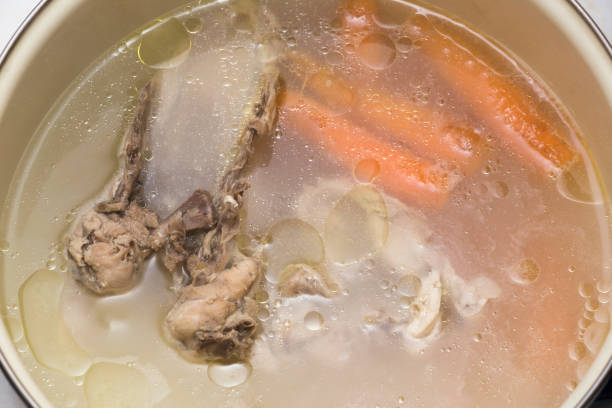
[
  {"x": 511, "y": 114},
  {"x": 401, "y": 174},
  {"x": 436, "y": 135}
]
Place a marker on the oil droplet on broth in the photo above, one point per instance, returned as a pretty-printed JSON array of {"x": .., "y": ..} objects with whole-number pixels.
[
  {"x": 526, "y": 272},
  {"x": 393, "y": 14},
  {"x": 229, "y": 375},
  {"x": 165, "y": 46},
  {"x": 193, "y": 25},
  {"x": 116, "y": 385},
  {"x": 367, "y": 170},
  {"x": 261, "y": 296},
  {"x": 313, "y": 321},
  {"x": 377, "y": 51}
]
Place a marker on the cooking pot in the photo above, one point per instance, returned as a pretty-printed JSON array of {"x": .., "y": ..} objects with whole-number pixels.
[{"x": 554, "y": 38}]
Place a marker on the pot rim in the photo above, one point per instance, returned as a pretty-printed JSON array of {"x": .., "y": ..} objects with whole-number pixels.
[{"x": 588, "y": 398}]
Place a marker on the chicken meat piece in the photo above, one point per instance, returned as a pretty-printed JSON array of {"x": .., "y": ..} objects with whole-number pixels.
[
  {"x": 108, "y": 243},
  {"x": 169, "y": 239},
  {"x": 208, "y": 319},
  {"x": 211, "y": 319}
]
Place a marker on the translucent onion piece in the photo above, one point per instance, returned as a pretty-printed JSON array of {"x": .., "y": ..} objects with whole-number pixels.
[
  {"x": 51, "y": 342},
  {"x": 291, "y": 241},
  {"x": 116, "y": 385},
  {"x": 357, "y": 226}
]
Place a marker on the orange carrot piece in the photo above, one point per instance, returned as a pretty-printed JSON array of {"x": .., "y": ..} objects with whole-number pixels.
[
  {"x": 508, "y": 112},
  {"x": 505, "y": 109},
  {"x": 433, "y": 134},
  {"x": 401, "y": 174}
]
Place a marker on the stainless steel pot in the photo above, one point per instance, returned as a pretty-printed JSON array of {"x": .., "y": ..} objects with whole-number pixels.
[{"x": 555, "y": 38}]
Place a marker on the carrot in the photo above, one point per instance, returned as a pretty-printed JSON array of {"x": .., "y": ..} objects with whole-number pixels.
[
  {"x": 435, "y": 135},
  {"x": 401, "y": 174},
  {"x": 508, "y": 112},
  {"x": 505, "y": 109}
]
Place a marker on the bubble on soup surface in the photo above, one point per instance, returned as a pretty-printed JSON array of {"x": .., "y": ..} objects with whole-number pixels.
[
  {"x": 591, "y": 304},
  {"x": 50, "y": 340},
  {"x": 585, "y": 289},
  {"x": 357, "y": 226},
  {"x": 4, "y": 246},
  {"x": 165, "y": 45},
  {"x": 263, "y": 313},
  {"x": 525, "y": 272},
  {"x": 377, "y": 51},
  {"x": 577, "y": 351},
  {"x": 229, "y": 375},
  {"x": 116, "y": 385},
  {"x": 334, "y": 58},
  {"x": 291, "y": 241},
  {"x": 404, "y": 45},
  {"x": 367, "y": 170},
  {"x": 313, "y": 321},
  {"x": 603, "y": 286}
]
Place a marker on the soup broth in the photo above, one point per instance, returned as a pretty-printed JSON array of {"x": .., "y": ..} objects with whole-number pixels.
[{"x": 469, "y": 275}]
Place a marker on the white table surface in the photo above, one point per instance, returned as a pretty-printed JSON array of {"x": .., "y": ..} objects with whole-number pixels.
[{"x": 13, "y": 12}]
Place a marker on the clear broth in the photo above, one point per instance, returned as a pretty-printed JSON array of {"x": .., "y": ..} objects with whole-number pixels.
[{"x": 526, "y": 347}]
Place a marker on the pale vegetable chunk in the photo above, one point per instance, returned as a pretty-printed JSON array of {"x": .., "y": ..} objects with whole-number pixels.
[
  {"x": 116, "y": 385},
  {"x": 357, "y": 226},
  {"x": 291, "y": 241},
  {"x": 426, "y": 308},
  {"x": 50, "y": 340}
]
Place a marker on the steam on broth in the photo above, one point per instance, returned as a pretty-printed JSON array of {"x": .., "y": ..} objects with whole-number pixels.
[{"x": 421, "y": 224}]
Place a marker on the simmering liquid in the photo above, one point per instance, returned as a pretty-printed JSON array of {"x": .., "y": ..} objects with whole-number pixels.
[{"x": 485, "y": 289}]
